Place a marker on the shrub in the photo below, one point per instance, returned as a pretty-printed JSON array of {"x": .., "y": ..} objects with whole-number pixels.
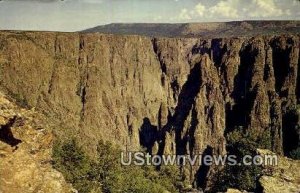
[
  {"x": 243, "y": 177},
  {"x": 72, "y": 162},
  {"x": 116, "y": 178},
  {"x": 291, "y": 133},
  {"x": 295, "y": 154},
  {"x": 105, "y": 174}
]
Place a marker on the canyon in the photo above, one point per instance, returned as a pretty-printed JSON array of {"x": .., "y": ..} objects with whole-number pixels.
[{"x": 167, "y": 95}]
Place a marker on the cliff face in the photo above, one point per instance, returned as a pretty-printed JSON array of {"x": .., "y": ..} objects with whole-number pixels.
[
  {"x": 25, "y": 152},
  {"x": 166, "y": 94}
]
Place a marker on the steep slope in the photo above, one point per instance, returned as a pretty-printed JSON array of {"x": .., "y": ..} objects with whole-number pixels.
[
  {"x": 25, "y": 152},
  {"x": 170, "y": 95}
]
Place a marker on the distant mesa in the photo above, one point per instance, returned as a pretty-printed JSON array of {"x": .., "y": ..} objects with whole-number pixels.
[{"x": 208, "y": 29}]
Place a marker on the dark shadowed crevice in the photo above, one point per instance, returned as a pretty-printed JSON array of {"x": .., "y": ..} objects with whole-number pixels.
[
  {"x": 81, "y": 42},
  {"x": 239, "y": 114},
  {"x": 130, "y": 131},
  {"x": 298, "y": 81},
  {"x": 217, "y": 51},
  {"x": 242, "y": 81},
  {"x": 191, "y": 133},
  {"x": 82, "y": 95},
  {"x": 267, "y": 71},
  {"x": 267, "y": 68},
  {"x": 81, "y": 88},
  {"x": 82, "y": 92},
  {"x": 175, "y": 87},
  {"x": 52, "y": 77},
  {"x": 188, "y": 94},
  {"x": 289, "y": 130},
  {"x": 275, "y": 126},
  {"x": 201, "y": 175},
  {"x": 6, "y": 134},
  {"x": 159, "y": 117},
  {"x": 186, "y": 100},
  {"x": 158, "y": 54},
  {"x": 81, "y": 48},
  {"x": 83, "y": 98},
  {"x": 163, "y": 80},
  {"x": 148, "y": 135},
  {"x": 281, "y": 65},
  {"x": 202, "y": 48}
]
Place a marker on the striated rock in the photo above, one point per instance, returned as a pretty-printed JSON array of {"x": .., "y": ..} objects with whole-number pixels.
[
  {"x": 284, "y": 177},
  {"x": 25, "y": 152},
  {"x": 169, "y": 95}
]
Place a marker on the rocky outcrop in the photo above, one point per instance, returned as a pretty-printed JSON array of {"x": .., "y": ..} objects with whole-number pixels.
[
  {"x": 283, "y": 177},
  {"x": 231, "y": 190},
  {"x": 170, "y": 95},
  {"x": 25, "y": 152}
]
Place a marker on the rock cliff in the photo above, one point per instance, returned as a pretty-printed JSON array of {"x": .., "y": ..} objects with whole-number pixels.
[
  {"x": 25, "y": 152},
  {"x": 169, "y": 95},
  {"x": 281, "y": 178}
]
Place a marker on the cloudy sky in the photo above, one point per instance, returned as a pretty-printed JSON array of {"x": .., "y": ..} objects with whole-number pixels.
[{"x": 75, "y": 15}]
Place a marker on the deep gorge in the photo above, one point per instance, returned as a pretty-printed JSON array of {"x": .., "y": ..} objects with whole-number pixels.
[{"x": 169, "y": 95}]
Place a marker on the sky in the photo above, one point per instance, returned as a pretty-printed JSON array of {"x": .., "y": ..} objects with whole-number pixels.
[{"x": 76, "y": 15}]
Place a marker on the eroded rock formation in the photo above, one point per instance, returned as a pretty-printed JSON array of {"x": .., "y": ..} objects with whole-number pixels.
[{"x": 170, "y": 95}]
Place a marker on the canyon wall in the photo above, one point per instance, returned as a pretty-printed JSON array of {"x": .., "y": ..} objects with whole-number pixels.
[{"x": 168, "y": 95}]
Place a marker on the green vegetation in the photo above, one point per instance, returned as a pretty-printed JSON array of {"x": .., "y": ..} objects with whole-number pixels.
[
  {"x": 294, "y": 129},
  {"x": 20, "y": 100},
  {"x": 76, "y": 167},
  {"x": 240, "y": 143},
  {"x": 105, "y": 174},
  {"x": 295, "y": 154},
  {"x": 3, "y": 43}
]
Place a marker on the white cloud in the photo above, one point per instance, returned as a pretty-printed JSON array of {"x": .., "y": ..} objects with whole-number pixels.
[
  {"x": 240, "y": 9},
  {"x": 200, "y": 9},
  {"x": 158, "y": 18},
  {"x": 226, "y": 9},
  {"x": 265, "y": 8},
  {"x": 288, "y": 12},
  {"x": 184, "y": 15}
]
